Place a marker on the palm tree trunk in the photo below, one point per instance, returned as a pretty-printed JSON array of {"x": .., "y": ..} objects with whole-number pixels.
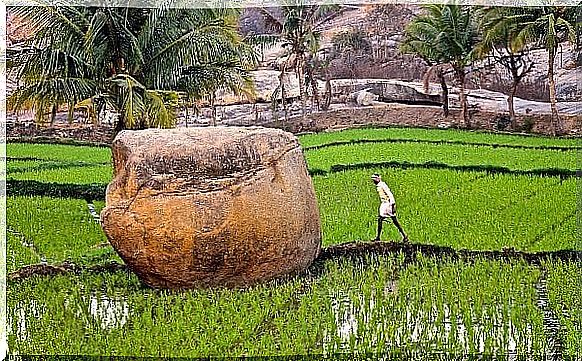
[
  {"x": 327, "y": 96},
  {"x": 71, "y": 112},
  {"x": 510, "y": 104},
  {"x": 213, "y": 107},
  {"x": 462, "y": 97},
  {"x": 53, "y": 114},
  {"x": 283, "y": 94},
  {"x": 119, "y": 126},
  {"x": 300, "y": 69},
  {"x": 556, "y": 125},
  {"x": 445, "y": 92},
  {"x": 314, "y": 88}
]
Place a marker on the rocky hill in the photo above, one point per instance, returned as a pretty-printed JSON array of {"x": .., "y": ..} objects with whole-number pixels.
[
  {"x": 382, "y": 28},
  {"x": 378, "y": 65}
]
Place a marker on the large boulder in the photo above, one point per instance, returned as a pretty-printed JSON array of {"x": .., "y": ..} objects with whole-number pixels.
[{"x": 205, "y": 207}]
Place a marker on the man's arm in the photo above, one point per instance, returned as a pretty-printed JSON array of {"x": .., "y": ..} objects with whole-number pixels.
[{"x": 388, "y": 193}]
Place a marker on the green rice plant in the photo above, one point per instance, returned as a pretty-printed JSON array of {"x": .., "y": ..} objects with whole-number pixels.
[
  {"x": 519, "y": 159},
  {"x": 435, "y": 135},
  {"x": 564, "y": 283},
  {"x": 277, "y": 318},
  {"x": 16, "y": 166},
  {"x": 437, "y": 306},
  {"x": 19, "y": 251},
  {"x": 366, "y": 307},
  {"x": 456, "y": 209},
  {"x": 57, "y": 229},
  {"x": 56, "y": 152},
  {"x": 76, "y": 175}
]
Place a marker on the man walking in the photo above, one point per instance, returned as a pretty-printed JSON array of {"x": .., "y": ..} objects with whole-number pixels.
[{"x": 387, "y": 207}]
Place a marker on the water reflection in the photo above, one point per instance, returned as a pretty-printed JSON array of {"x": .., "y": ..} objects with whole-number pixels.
[
  {"x": 24, "y": 311},
  {"x": 109, "y": 312},
  {"x": 362, "y": 324}
]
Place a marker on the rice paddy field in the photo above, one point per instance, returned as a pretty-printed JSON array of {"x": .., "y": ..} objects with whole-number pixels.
[{"x": 457, "y": 189}]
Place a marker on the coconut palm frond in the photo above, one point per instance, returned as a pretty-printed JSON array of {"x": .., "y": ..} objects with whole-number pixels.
[{"x": 123, "y": 54}]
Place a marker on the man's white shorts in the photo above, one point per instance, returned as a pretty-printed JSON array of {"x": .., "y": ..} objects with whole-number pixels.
[{"x": 387, "y": 209}]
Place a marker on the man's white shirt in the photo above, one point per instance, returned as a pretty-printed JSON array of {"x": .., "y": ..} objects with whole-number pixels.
[{"x": 385, "y": 193}]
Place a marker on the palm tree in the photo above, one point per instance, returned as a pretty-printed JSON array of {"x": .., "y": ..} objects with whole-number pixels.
[
  {"x": 500, "y": 42},
  {"x": 136, "y": 61},
  {"x": 452, "y": 33},
  {"x": 545, "y": 26},
  {"x": 419, "y": 43},
  {"x": 298, "y": 27}
]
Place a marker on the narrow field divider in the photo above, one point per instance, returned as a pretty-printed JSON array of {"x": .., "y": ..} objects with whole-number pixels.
[
  {"x": 490, "y": 169},
  {"x": 57, "y": 141},
  {"x": 441, "y": 142},
  {"x": 362, "y": 248},
  {"x": 65, "y": 268},
  {"x": 351, "y": 250},
  {"x": 52, "y": 165},
  {"x": 26, "y": 159},
  {"x": 89, "y": 192}
]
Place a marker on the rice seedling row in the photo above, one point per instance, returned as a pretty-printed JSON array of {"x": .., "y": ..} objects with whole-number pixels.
[
  {"x": 58, "y": 152},
  {"x": 58, "y": 230},
  {"x": 388, "y": 141},
  {"x": 32, "y": 188},
  {"x": 311, "y": 140},
  {"x": 564, "y": 285},
  {"x": 86, "y": 174},
  {"x": 519, "y": 159},
  {"x": 14, "y": 167}
]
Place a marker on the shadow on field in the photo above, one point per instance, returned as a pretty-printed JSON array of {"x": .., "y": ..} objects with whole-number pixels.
[
  {"x": 410, "y": 251},
  {"x": 354, "y": 251}
]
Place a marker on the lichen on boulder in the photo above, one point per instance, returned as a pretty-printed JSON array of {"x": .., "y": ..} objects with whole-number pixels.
[{"x": 207, "y": 207}]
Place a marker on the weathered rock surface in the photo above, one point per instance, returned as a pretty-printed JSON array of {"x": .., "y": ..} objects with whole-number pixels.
[
  {"x": 365, "y": 98},
  {"x": 204, "y": 207},
  {"x": 387, "y": 90}
]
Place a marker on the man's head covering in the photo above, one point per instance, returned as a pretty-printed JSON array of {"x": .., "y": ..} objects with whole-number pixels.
[{"x": 376, "y": 176}]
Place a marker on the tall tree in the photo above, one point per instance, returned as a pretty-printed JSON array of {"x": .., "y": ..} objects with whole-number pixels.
[
  {"x": 418, "y": 42},
  {"x": 133, "y": 60},
  {"x": 452, "y": 31},
  {"x": 545, "y": 26},
  {"x": 500, "y": 41},
  {"x": 298, "y": 27}
]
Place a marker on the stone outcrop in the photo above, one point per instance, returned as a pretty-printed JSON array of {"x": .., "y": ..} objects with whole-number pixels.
[
  {"x": 205, "y": 207},
  {"x": 365, "y": 97},
  {"x": 386, "y": 90}
]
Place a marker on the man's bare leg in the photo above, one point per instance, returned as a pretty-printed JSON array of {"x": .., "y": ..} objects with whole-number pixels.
[
  {"x": 397, "y": 224},
  {"x": 380, "y": 220}
]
